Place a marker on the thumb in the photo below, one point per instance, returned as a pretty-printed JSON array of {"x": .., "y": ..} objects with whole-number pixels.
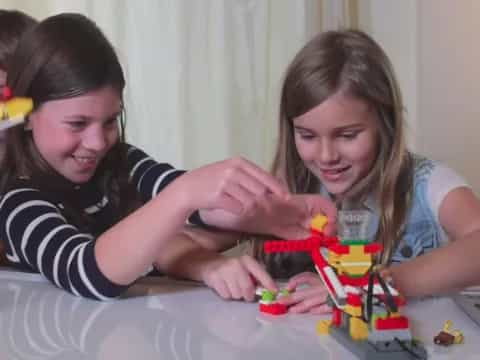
[
  {"x": 321, "y": 205},
  {"x": 331, "y": 227}
]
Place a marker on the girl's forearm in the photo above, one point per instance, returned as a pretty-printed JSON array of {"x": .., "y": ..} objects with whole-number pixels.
[
  {"x": 185, "y": 258},
  {"x": 442, "y": 271},
  {"x": 129, "y": 248}
]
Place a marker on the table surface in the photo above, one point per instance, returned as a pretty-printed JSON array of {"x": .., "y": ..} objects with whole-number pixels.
[{"x": 160, "y": 318}]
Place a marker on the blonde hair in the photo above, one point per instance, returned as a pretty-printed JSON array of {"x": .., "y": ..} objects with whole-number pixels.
[{"x": 353, "y": 64}]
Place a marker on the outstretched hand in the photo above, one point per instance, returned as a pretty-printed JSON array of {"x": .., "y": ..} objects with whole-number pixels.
[
  {"x": 287, "y": 218},
  {"x": 307, "y": 294},
  {"x": 232, "y": 185},
  {"x": 237, "y": 277}
]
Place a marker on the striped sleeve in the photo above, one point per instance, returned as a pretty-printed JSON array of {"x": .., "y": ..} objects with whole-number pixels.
[
  {"x": 39, "y": 238},
  {"x": 149, "y": 176}
]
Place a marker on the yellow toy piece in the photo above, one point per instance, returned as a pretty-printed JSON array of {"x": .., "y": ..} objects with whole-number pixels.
[
  {"x": 319, "y": 222},
  {"x": 323, "y": 327},
  {"x": 457, "y": 334},
  {"x": 353, "y": 310},
  {"x": 355, "y": 263},
  {"x": 358, "y": 329},
  {"x": 14, "y": 111}
]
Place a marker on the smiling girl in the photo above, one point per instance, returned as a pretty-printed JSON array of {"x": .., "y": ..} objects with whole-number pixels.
[
  {"x": 342, "y": 135},
  {"x": 84, "y": 208}
]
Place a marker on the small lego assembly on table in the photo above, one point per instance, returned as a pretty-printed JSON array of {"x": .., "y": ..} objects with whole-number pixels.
[
  {"x": 366, "y": 317},
  {"x": 268, "y": 301},
  {"x": 13, "y": 110},
  {"x": 447, "y": 336}
]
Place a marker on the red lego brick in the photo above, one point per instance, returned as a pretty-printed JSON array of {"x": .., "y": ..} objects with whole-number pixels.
[
  {"x": 273, "y": 309},
  {"x": 357, "y": 281},
  {"x": 339, "y": 249},
  {"x": 373, "y": 248},
  {"x": 392, "y": 323},
  {"x": 336, "y": 317},
  {"x": 354, "y": 299}
]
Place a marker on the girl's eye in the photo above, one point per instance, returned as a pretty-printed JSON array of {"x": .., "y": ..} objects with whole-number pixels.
[
  {"x": 77, "y": 124},
  {"x": 349, "y": 135},
  {"x": 305, "y": 135},
  {"x": 111, "y": 122}
]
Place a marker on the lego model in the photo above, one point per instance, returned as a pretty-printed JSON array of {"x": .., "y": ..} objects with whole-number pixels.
[
  {"x": 365, "y": 317},
  {"x": 268, "y": 303},
  {"x": 13, "y": 110},
  {"x": 447, "y": 336}
]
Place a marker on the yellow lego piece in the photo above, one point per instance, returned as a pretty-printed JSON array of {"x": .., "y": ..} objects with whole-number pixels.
[
  {"x": 358, "y": 329},
  {"x": 353, "y": 310},
  {"x": 356, "y": 262},
  {"x": 323, "y": 327},
  {"x": 457, "y": 334},
  {"x": 319, "y": 222},
  {"x": 14, "y": 111}
]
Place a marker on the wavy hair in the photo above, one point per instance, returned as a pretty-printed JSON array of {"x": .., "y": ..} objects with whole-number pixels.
[{"x": 353, "y": 64}]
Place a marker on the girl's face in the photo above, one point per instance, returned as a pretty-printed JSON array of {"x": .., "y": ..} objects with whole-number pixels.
[
  {"x": 73, "y": 135},
  {"x": 338, "y": 142}
]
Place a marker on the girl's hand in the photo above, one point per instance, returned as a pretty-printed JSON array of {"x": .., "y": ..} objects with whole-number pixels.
[
  {"x": 306, "y": 299},
  {"x": 233, "y": 185},
  {"x": 237, "y": 277},
  {"x": 273, "y": 215}
]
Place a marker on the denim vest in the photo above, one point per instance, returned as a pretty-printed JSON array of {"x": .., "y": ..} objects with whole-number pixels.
[{"x": 421, "y": 232}]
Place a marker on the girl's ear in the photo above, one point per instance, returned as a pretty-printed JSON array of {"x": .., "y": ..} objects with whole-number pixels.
[
  {"x": 28, "y": 121},
  {"x": 27, "y": 126}
]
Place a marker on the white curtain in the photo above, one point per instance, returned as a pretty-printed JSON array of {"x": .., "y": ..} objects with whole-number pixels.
[{"x": 203, "y": 76}]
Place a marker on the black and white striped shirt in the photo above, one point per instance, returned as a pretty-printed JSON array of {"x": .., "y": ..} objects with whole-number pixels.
[{"x": 40, "y": 237}]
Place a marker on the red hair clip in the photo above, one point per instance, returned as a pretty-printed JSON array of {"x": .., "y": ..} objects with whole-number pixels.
[{"x": 6, "y": 93}]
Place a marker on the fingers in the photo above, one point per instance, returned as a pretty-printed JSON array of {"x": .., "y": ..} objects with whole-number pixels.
[
  {"x": 311, "y": 299},
  {"x": 220, "y": 286},
  {"x": 236, "y": 278},
  {"x": 308, "y": 294},
  {"x": 230, "y": 204},
  {"x": 317, "y": 306},
  {"x": 306, "y": 206},
  {"x": 259, "y": 273},
  {"x": 246, "y": 183},
  {"x": 321, "y": 309},
  {"x": 304, "y": 278},
  {"x": 318, "y": 204},
  {"x": 271, "y": 183}
]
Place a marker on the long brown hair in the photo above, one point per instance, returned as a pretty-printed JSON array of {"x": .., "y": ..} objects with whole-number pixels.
[
  {"x": 13, "y": 24},
  {"x": 350, "y": 62},
  {"x": 65, "y": 56}
]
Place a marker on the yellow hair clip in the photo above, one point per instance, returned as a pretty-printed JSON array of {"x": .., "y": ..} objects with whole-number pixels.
[{"x": 13, "y": 111}]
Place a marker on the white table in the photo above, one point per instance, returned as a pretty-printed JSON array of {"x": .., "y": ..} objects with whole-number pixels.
[{"x": 166, "y": 319}]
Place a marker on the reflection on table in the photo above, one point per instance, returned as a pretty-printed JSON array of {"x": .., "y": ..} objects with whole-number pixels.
[{"x": 165, "y": 319}]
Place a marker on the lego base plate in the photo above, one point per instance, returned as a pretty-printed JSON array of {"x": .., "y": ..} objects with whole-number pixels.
[{"x": 368, "y": 351}]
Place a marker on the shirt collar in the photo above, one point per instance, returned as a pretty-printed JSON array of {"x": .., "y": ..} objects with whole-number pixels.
[{"x": 369, "y": 203}]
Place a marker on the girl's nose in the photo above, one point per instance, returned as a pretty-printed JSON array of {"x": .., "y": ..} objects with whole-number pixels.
[
  {"x": 95, "y": 140},
  {"x": 328, "y": 152}
]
